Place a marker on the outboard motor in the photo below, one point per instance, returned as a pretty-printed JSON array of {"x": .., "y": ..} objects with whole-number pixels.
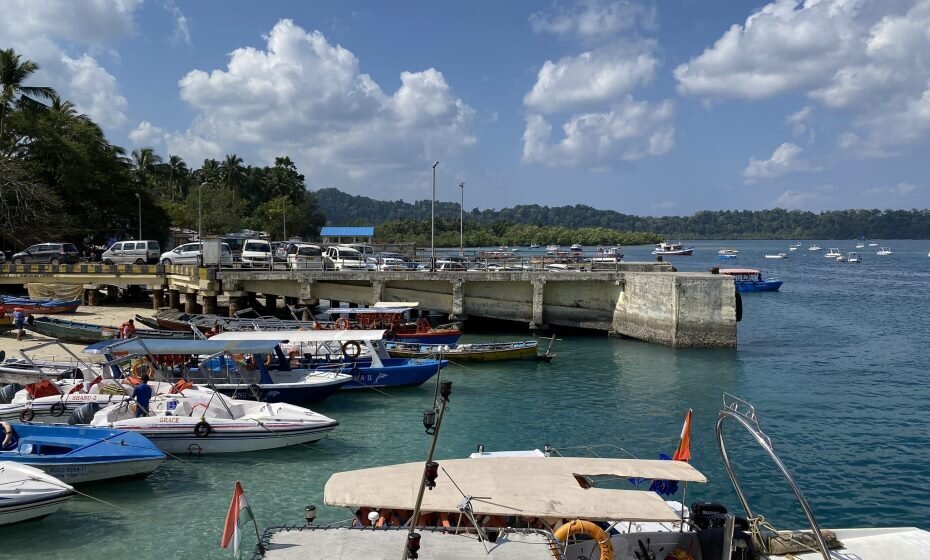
[
  {"x": 708, "y": 519},
  {"x": 84, "y": 414},
  {"x": 7, "y": 392}
]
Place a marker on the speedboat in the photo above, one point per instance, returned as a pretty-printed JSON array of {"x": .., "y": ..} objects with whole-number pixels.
[
  {"x": 776, "y": 256},
  {"x": 860, "y": 245},
  {"x": 884, "y": 251},
  {"x": 79, "y": 455},
  {"x": 668, "y": 249},
  {"x": 842, "y": 258},
  {"x": 360, "y": 354},
  {"x": 853, "y": 257},
  {"x": 576, "y": 247},
  {"x": 727, "y": 252},
  {"x": 814, "y": 247},
  {"x": 750, "y": 280},
  {"x": 534, "y": 245},
  {"x": 833, "y": 253},
  {"x": 217, "y": 424},
  {"x": 792, "y": 248},
  {"x": 552, "y": 248},
  {"x": 27, "y": 493},
  {"x": 873, "y": 244}
]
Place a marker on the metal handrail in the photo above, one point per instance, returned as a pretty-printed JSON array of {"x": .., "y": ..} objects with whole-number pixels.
[{"x": 745, "y": 414}]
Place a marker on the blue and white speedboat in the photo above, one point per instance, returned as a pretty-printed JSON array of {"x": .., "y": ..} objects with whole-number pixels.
[
  {"x": 358, "y": 353},
  {"x": 27, "y": 493},
  {"x": 750, "y": 280},
  {"x": 79, "y": 454}
]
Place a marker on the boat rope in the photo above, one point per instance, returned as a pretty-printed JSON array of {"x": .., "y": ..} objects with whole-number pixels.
[
  {"x": 173, "y": 456},
  {"x": 308, "y": 446},
  {"x": 94, "y": 498}
]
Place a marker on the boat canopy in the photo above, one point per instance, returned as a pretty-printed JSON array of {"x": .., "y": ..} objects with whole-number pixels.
[
  {"x": 522, "y": 486},
  {"x": 368, "y": 311},
  {"x": 738, "y": 271},
  {"x": 410, "y": 304},
  {"x": 245, "y": 345},
  {"x": 302, "y": 336}
]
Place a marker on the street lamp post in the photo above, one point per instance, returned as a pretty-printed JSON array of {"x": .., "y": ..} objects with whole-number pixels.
[
  {"x": 462, "y": 221},
  {"x": 432, "y": 234},
  {"x": 200, "y": 212},
  {"x": 284, "y": 226},
  {"x": 139, "y": 198}
]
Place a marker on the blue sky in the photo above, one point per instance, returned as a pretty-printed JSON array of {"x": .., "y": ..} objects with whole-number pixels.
[{"x": 636, "y": 106}]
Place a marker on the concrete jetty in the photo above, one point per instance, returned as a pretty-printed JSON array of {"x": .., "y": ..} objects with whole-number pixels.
[{"x": 646, "y": 301}]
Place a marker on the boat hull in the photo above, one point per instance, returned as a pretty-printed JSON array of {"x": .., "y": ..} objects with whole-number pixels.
[
  {"x": 83, "y": 473},
  {"x": 763, "y": 286},
  {"x": 450, "y": 337},
  {"x": 291, "y": 393},
  {"x": 401, "y": 376},
  {"x": 494, "y": 355},
  {"x": 43, "y": 307},
  {"x": 33, "y": 509},
  {"x": 240, "y": 437},
  {"x": 86, "y": 333},
  {"x": 682, "y": 253}
]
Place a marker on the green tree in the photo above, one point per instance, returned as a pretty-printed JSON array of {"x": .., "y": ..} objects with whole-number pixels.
[{"x": 13, "y": 73}]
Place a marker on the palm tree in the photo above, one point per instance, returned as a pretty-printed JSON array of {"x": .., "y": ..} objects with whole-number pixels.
[
  {"x": 13, "y": 72},
  {"x": 177, "y": 176},
  {"x": 144, "y": 161},
  {"x": 232, "y": 171}
]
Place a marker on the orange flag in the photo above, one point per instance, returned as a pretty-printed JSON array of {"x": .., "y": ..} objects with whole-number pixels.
[{"x": 683, "y": 453}]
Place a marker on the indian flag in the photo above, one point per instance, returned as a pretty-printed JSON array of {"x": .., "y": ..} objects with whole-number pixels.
[{"x": 239, "y": 513}]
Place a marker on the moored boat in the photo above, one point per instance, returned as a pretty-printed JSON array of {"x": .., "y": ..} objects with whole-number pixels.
[
  {"x": 750, "y": 280},
  {"x": 45, "y": 307},
  {"x": 669, "y": 249},
  {"x": 27, "y": 493},
  {"x": 853, "y": 257},
  {"x": 472, "y": 352},
  {"x": 87, "y": 333},
  {"x": 78, "y": 455},
  {"x": 776, "y": 255},
  {"x": 833, "y": 253},
  {"x": 814, "y": 247},
  {"x": 884, "y": 251}
]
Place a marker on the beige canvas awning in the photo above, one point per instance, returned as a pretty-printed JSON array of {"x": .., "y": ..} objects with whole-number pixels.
[{"x": 522, "y": 486}]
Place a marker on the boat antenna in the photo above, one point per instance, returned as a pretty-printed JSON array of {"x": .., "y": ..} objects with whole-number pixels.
[{"x": 432, "y": 423}]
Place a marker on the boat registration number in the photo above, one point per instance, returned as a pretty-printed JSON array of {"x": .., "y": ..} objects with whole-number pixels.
[{"x": 82, "y": 397}]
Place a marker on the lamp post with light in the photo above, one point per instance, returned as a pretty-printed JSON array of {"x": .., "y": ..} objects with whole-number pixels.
[
  {"x": 139, "y": 198},
  {"x": 462, "y": 221},
  {"x": 432, "y": 234}
]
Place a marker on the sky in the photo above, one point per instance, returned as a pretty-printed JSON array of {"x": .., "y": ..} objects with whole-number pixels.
[{"x": 651, "y": 108}]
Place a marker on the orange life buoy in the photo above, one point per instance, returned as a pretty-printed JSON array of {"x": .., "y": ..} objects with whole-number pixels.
[
  {"x": 342, "y": 324},
  {"x": 590, "y": 529}
]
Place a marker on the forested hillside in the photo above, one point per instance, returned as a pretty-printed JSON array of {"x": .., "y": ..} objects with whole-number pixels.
[{"x": 345, "y": 209}]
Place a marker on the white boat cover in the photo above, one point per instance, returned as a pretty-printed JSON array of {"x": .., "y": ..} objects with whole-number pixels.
[
  {"x": 301, "y": 336},
  {"x": 249, "y": 344},
  {"x": 524, "y": 486},
  {"x": 397, "y": 304}
]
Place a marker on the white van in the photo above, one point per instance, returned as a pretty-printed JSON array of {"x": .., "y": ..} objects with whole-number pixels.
[
  {"x": 256, "y": 253},
  {"x": 304, "y": 256},
  {"x": 340, "y": 257},
  {"x": 132, "y": 252}
]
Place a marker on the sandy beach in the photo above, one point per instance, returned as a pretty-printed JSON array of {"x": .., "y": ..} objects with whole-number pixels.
[{"x": 113, "y": 316}]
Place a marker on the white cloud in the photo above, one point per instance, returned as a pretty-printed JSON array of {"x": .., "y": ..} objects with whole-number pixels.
[
  {"x": 598, "y": 76},
  {"x": 869, "y": 58},
  {"x": 785, "y": 159},
  {"x": 182, "y": 31},
  {"x": 303, "y": 96},
  {"x": 800, "y": 122},
  {"x": 899, "y": 190},
  {"x": 817, "y": 199},
  {"x": 631, "y": 130},
  {"x": 38, "y": 31},
  {"x": 146, "y": 134},
  {"x": 594, "y": 19}
]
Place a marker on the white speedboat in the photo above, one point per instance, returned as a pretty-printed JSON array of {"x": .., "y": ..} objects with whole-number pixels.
[
  {"x": 27, "y": 493},
  {"x": 833, "y": 253},
  {"x": 552, "y": 248},
  {"x": 534, "y": 245},
  {"x": 576, "y": 247},
  {"x": 814, "y": 247},
  {"x": 218, "y": 424},
  {"x": 727, "y": 252},
  {"x": 860, "y": 245},
  {"x": 884, "y": 251},
  {"x": 873, "y": 244},
  {"x": 776, "y": 256},
  {"x": 792, "y": 248},
  {"x": 853, "y": 257},
  {"x": 842, "y": 258}
]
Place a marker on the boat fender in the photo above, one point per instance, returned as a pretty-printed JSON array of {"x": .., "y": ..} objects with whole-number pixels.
[
  {"x": 586, "y": 527},
  {"x": 739, "y": 307},
  {"x": 57, "y": 409},
  {"x": 84, "y": 414},
  {"x": 202, "y": 429},
  {"x": 27, "y": 415},
  {"x": 8, "y": 392},
  {"x": 351, "y": 355}
]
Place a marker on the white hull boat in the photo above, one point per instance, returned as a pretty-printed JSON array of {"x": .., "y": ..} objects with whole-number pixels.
[
  {"x": 27, "y": 493},
  {"x": 833, "y": 253},
  {"x": 885, "y": 251},
  {"x": 814, "y": 247},
  {"x": 219, "y": 424},
  {"x": 776, "y": 256}
]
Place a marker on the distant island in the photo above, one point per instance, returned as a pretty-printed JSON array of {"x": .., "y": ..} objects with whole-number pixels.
[{"x": 525, "y": 224}]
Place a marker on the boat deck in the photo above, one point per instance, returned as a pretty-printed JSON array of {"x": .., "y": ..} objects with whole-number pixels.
[{"x": 299, "y": 543}]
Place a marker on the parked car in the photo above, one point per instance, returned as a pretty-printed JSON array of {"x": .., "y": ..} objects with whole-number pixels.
[
  {"x": 445, "y": 265},
  {"x": 190, "y": 253},
  {"x": 386, "y": 257},
  {"x": 48, "y": 253},
  {"x": 256, "y": 253},
  {"x": 305, "y": 256},
  {"x": 132, "y": 252},
  {"x": 383, "y": 264},
  {"x": 339, "y": 257}
]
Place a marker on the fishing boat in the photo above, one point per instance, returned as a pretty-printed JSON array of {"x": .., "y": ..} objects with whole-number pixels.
[
  {"x": 359, "y": 353},
  {"x": 534, "y": 245},
  {"x": 833, "y": 253},
  {"x": 390, "y": 318},
  {"x": 668, "y": 249},
  {"x": 814, "y": 247},
  {"x": 776, "y": 256},
  {"x": 884, "y": 251},
  {"x": 472, "y": 352},
  {"x": 576, "y": 247},
  {"x": 853, "y": 257},
  {"x": 750, "y": 280},
  {"x": 25, "y": 371},
  {"x": 218, "y": 424},
  {"x": 26, "y": 493},
  {"x": 45, "y": 307},
  {"x": 78, "y": 455},
  {"x": 87, "y": 333}
]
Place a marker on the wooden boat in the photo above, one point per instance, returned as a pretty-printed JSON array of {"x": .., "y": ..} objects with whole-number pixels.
[
  {"x": 750, "y": 280},
  {"x": 86, "y": 333},
  {"x": 45, "y": 307},
  {"x": 477, "y": 352}
]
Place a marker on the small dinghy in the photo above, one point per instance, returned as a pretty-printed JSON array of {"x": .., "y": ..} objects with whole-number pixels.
[
  {"x": 78, "y": 455},
  {"x": 46, "y": 307},
  {"x": 27, "y": 493}
]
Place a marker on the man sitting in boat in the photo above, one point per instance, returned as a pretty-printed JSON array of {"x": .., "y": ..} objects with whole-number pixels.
[{"x": 127, "y": 330}]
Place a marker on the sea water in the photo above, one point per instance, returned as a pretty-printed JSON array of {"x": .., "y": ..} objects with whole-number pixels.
[{"x": 835, "y": 364}]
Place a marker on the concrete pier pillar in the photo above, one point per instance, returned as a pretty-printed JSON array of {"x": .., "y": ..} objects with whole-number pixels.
[
  {"x": 377, "y": 291},
  {"x": 235, "y": 304},
  {"x": 174, "y": 299},
  {"x": 209, "y": 304},
  {"x": 539, "y": 292},
  {"x": 306, "y": 315},
  {"x": 93, "y": 297},
  {"x": 458, "y": 301},
  {"x": 190, "y": 302},
  {"x": 271, "y": 302},
  {"x": 252, "y": 300},
  {"x": 158, "y": 298}
]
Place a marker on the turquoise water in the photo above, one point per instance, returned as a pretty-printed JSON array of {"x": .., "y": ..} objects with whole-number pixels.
[{"x": 834, "y": 363}]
